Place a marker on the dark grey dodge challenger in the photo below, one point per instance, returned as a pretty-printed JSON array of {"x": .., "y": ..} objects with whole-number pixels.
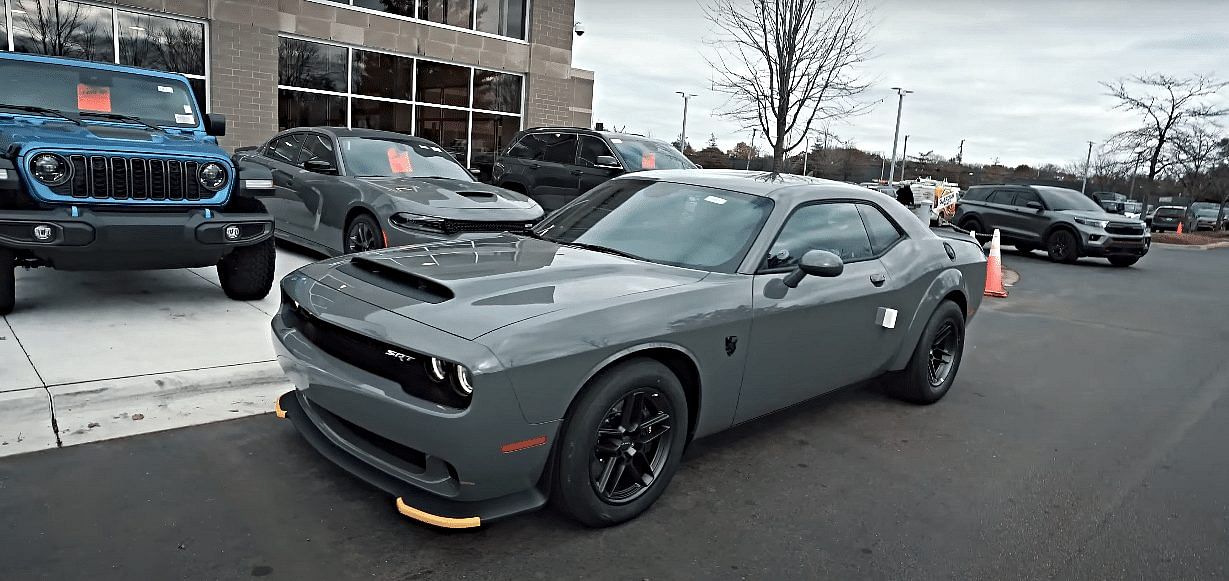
[{"x": 477, "y": 378}]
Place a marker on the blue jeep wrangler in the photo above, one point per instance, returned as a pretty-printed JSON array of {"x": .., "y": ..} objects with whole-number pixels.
[{"x": 106, "y": 167}]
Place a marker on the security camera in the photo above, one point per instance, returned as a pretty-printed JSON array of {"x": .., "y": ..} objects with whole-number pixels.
[{"x": 579, "y": 29}]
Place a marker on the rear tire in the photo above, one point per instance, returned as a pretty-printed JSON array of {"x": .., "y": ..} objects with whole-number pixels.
[
  {"x": 8, "y": 283},
  {"x": 973, "y": 225},
  {"x": 598, "y": 453},
  {"x": 246, "y": 273},
  {"x": 936, "y": 359},
  {"x": 1063, "y": 247},
  {"x": 1123, "y": 261}
]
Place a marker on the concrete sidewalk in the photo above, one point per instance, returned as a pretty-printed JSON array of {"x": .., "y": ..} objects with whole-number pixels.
[{"x": 95, "y": 355}]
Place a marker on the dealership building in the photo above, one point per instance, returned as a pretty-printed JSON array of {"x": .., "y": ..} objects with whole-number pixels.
[{"x": 466, "y": 74}]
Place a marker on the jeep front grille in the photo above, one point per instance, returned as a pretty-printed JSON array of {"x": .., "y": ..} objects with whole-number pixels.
[{"x": 133, "y": 178}]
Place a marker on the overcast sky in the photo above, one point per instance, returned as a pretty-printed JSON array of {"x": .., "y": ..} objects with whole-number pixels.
[{"x": 1018, "y": 80}]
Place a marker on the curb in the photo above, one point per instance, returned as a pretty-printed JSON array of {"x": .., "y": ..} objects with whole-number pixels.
[
  {"x": 79, "y": 413},
  {"x": 1192, "y": 246}
]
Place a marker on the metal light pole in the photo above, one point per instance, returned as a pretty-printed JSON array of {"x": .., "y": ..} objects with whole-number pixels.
[
  {"x": 1139, "y": 155},
  {"x": 1087, "y": 166},
  {"x": 806, "y": 152},
  {"x": 900, "y": 103},
  {"x": 683, "y": 139},
  {"x": 751, "y": 150},
  {"x": 904, "y": 158},
  {"x": 960, "y": 154}
]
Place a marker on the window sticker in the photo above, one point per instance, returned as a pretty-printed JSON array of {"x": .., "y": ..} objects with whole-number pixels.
[
  {"x": 715, "y": 200},
  {"x": 399, "y": 161},
  {"x": 187, "y": 108},
  {"x": 185, "y": 119},
  {"x": 648, "y": 160},
  {"x": 165, "y": 89},
  {"x": 93, "y": 98}
]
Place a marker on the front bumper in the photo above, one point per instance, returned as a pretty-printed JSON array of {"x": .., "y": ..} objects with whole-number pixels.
[
  {"x": 85, "y": 239},
  {"x": 1102, "y": 244},
  {"x": 441, "y": 462}
]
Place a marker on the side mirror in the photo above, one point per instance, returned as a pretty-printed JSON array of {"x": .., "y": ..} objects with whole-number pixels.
[
  {"x": 215, "y": 124},
  {"x": 607, "y": 162},
  {"x": 819, "y": 263},
  {"x": 320, "y": 166},
  {"x": 1035, "y": 205}
]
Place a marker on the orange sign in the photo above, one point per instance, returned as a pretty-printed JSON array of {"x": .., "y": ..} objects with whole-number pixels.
[
  {"x": 648, "y": 161},
  {"x": 93, "y": 98},
  {"x": 399, "y": 161}
]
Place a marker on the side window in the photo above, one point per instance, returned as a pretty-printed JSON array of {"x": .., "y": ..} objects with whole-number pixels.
[
  {"x": 284, "y": 148},
  {"x": 835, "y": 227},
  {"x": 1001, "y": 197},
  {"x": 317, "y": 147},
  {"x": 1023, "y": 197},
  {"x": 559, "y": 148},
  {"x": 590, "y": 149},
  {"x": 976, "y": 194},
  {"x": 882, "y": 231},
  {"x": 527, "y": 147}
]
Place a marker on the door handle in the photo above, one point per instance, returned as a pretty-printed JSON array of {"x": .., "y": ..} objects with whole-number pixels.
[
  {"x": 535, "y": 166},
  {"x": 577, "y": 172},
  {"x": 878, "y": 279}
]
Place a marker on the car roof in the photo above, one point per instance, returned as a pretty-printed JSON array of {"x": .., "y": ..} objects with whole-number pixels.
[
  {"x": 80, "y": 63},
  {"x": 587, "y": 131},
  {"x": 358, "y": 132},
  {"x": 778, "y": 186}
]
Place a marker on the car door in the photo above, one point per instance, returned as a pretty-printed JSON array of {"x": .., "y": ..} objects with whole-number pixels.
[
  {"x": 312, "y": 189},
  {"x": 821, "y": 335},
  {"x": 280, "y": 155},
  {"x": 998, "y": 207},
  {"x": 1020, "y": 222},
  {"x": 547, "y": 162},
  {"x": 589, "y": 173}
]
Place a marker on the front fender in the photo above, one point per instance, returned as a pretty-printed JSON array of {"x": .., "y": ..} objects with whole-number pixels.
[
  {"x": 254, "y": 180},
  {"x": 948, "y": 281}
]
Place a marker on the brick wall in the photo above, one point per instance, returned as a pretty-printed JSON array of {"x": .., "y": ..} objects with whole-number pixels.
[{"x": 550, "y": 85}]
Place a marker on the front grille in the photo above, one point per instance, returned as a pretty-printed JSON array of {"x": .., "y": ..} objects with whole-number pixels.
[
  {"x": 1125, "y": 229},
  {"x": 97, "y": 177},
  {"x": 371, "y": 355},
  {"x": 464, "y": 226}
]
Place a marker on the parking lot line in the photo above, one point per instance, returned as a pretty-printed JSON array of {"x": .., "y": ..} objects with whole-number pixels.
[{"x": 16, "y": 370}]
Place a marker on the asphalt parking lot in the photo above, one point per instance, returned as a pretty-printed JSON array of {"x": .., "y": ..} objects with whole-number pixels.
[{"x": 1085, "y": 438}]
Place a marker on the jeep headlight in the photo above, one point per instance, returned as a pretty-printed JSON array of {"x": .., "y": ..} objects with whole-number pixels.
[
  {"x": 51, "y": 169},
  {"x": 212, "y": 176},
  {"x": 1094, "y": 223}
]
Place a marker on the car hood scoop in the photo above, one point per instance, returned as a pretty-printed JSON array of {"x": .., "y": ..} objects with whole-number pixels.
[
  {"x": 448, "y": 193},
  {"x": 470, "y": 287}
]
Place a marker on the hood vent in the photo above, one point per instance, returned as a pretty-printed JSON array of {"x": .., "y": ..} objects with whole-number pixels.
[
  {"x": 478, "y": 196},
  {"x": 396, "y": 280}
]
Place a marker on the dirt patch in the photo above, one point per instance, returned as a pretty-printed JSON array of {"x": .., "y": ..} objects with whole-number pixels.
[
  {"x": 1010, "y": 277},
  {"x": 1191, "y": 239}
]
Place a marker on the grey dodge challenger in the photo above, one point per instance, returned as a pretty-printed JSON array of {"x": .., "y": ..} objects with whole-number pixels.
[
  {"x": 476, "y": 378},
  {"x": 340, "y": 191}
]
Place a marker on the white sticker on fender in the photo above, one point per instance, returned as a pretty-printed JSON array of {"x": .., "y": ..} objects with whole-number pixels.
[{"x": 886, "y": 318}]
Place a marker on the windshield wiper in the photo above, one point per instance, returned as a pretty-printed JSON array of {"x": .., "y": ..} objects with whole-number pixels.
[
  {"x": 42, "y": 110},
  {"x": 600, "y": 248},
  {"x": 119, "y": 117}
]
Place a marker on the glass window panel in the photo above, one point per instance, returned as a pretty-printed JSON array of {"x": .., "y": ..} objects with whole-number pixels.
[
  {"x": 299, "y": 109},
  {"x": 398, "y": 7},
  {"x": 502, "y": 17},
  {"x": 491, "y": 133},
  {"x": 317, "y": 148},
  {"x": 443, "y": 84},
  {"x": 452, "y": 12},
  {"x": 198, "y": 89},
  {"x": 883, "y": 233},
  {"x": 836, "y": 228},
  {"x": 497, "y": 91},
  {"x": 446, "y": 127},
  {"x": 63, "y": 28},
  {"x": 383, "y": 75},
  {"x": 382, "y": 115},
  {"x": 590, "y": 149},
  {"x": 311, "y": 65},
  {"x": 161, "y": 43},
  {"x": 4, "y": 23},
  {"x": 285, "y": 148}
]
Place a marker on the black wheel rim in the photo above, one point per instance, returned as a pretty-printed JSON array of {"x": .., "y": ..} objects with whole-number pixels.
[
  {"x": 1061, "y": 245},
  {"x": 362, "y": 237},
  {"x": 633, "y": 443},
  {"x": 943, "y": 352}
]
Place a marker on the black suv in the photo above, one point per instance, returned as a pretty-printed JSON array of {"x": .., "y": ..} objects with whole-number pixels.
[
  {"x": 1062, "y": 221},
  {"x": 554, "y": 165}
]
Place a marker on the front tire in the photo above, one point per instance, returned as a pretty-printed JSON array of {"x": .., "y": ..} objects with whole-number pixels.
[
  {"x": 1123, "y": 261},
  {"x": 8, "y": 283},
  {"x": 363, "y": 233},
  {"x": 246, "y": 273},
  {"x": 621, "y": 443},
  {"x": 1063, "y": 247},
  {"x": 936, "y": 359}
]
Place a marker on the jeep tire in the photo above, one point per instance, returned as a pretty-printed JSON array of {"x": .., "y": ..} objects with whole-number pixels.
[
  {"x": 246, "y": 273},
  {"x": 8, "y": 290}
]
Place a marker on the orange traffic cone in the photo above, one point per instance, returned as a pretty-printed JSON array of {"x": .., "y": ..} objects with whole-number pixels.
[
  {"x": 994, "y": 269},
  {"x": 1179, "y": 227}
]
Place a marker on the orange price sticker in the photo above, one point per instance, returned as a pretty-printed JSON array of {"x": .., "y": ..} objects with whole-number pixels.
[
  {"x": 648, "y": 161},
  {"x": 93, "y": 98},
  {"x": 399, "y": 161}
]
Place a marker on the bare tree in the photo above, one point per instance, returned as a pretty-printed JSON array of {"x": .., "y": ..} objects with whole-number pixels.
[
  {"x": 787, "y": 64},
  {"x": 1165, "y": 104},
  {"x": 1196, "y": 150},
  {"x": 65, "y": 28}
]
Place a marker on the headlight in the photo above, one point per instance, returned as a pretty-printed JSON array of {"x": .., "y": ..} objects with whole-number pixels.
[
  {"x": 416, "y": 222},
  {"x": 212, "y": 176},
  {"x": 465, "y": 383},
  {"x": 437, "y": 370},
  {"x": 50, "y": 169},
  {"x": 1093, "y": 223}
]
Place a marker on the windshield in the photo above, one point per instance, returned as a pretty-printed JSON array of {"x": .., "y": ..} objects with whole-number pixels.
[
  {"x": 79, "y": 90},
  {"x": 644, "y": 154},
  {"x": 370, "y": 157},
  {"x": 663, "y": 222},
  {"x": 1064, "y": 199}
]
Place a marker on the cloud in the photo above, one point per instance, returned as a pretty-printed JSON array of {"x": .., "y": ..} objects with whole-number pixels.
[{"x": 1019, "y": 81}]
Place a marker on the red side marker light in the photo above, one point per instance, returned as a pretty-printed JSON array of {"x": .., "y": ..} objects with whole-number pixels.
[{"x": 523, "y": 444}]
